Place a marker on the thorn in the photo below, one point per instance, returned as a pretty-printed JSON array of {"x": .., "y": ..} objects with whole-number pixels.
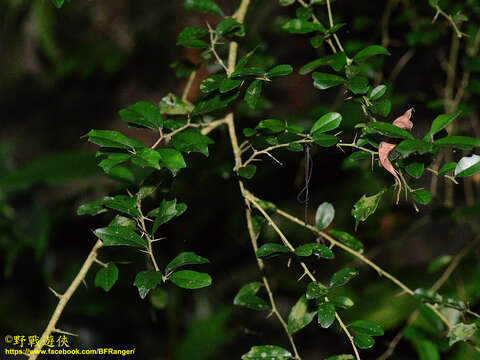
[
  {"x": 129, "y": 193},
  {"x": 162, "y": 238},
  {"x": 100, "y": 262},
  {"x": 301, "y": 277},
  {"x": 84, "y": 283},
  {"x": 273, "y": 157},
  {"x": 64, "y": 332},
  {"x": 270, "y": 314},
  {"x": 144, "y": 251},
  {"x": 55, "y": 293}
]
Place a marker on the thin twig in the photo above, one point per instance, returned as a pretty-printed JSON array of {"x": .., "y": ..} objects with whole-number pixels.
[
  {"x": 188, "y": 86},
  {"x": 63, "y": 301},
  {"x": 361, "y": 257},
  {"x": 285, "y": 241},
  {"x": 435, "y": 287}
]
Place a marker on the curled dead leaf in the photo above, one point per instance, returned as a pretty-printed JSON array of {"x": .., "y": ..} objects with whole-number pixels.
[{"x": 385, "y": 148}]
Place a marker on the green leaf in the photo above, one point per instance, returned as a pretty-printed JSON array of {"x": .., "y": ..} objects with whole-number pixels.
[
  {"x": 377, "y": 92},
  {"x": 343, "y": 276},
  {"x": 324, "y": 215},
  {"x": 267, "y": 352},
  {"x": 183, "y": 68},
  {"x": 212, "y": 83},
  {"x": 315, "y": 290},
  {"x": 159, "y": 298},
  {"x": 189, "y": 279},
  {"x": 246, "y": 297},
  {"x": 113, "y": 159},
  {"x": 107, "y": 276},
  {"x": 173, "y": 105},
  {"x": 244, "y": 59},
  {"x": 94, "y": 207},
  {"x": 304, "y": 13},
  {"x": 323, "y": 81},
  {"x": 439, "y": 263},
  {"x": 439, "y": 123},
  {"x": 248, "y": 72},
  {"x": 341, "y": 357},
  {"x": 299, "y": 316},
  {"x": 326, "y": 315},
  {"x": 365, "y": 207},
  {"x": 271, "y": 126},
  {"x": 461, "y": 332},
  {"x": 226, "y": 26},
  {"x": 318, "y": 249},
  {"x": 190, "y": 37},
  {"x": 147, "y": 280},
  {"x": 123, "y": 203},
  {"x": 382, "y": 107},
  {"x": 172, "y": 159},
  {"x": 407, "y": 147},
  {"x": 253, "y": 93},
  {"x": 147, "y": 157},
  {"x": 144, "y": 114},
  {"x": 269, "y": 249},
  {"x": 431, "y": 297},
  {"x": 317, "y": 41},
  {"x": 118, "y": 236},
  {"x": 191, "y": 140},
  {"x": 324, "y": 140},
  {"x": 347, "y": 239},
  {"x": 335, "y": 28},
  {"x": 389, "y": 130},
  {"x": 165, "y": 212},
  {"x": 248, "y": 171},
  {"x": 447, "y": 168},
  {"x": 216, "y": 102},
  {"x": 415, "y": 169},
  {"x": 229, "y": 84},
  {"x": 58, "y": 3},
  {"x": 468, "y": 166},
  {"x": 363, "y": 341},
  {"x": 459, "y": 142},
  {"x": 185, "y": 258},
  {"x": 298, "y": 26},
  {"x": 123, "y": 222},
  {"x": 353, "y": 160},
  {"x": 205, "y": 6},
  {"x": 421, "y": 196},
  {"x": 112, "y": 139},
  {"x": 269, "y": 207},
  {"x": 343, "y": 302},
  {"x": 249, "y": 132},
  {"x": 327, "y": 122},
  {"x": 280, "y": 70},
  {"x": 366, "y": 327},
  {"x": 357, "y": 84},
  {"x": 369, "y": 51}
]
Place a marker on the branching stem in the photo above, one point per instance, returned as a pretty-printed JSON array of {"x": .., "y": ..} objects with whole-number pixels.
[{"x": 63, "y": 299}]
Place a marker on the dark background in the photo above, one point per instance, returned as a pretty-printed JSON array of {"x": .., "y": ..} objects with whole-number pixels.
[{"x": 66, "y": 71}]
